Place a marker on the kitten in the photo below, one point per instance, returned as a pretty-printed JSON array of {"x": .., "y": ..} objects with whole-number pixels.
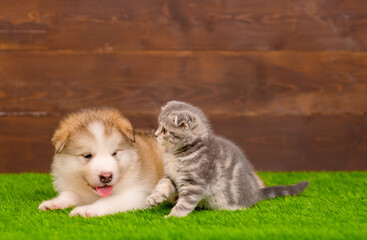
[{"x": 206, "y": 170}]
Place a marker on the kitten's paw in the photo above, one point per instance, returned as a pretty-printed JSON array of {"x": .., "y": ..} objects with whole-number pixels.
[
  {"x": 155, "y": 199},
  {"x": 53, "y": 204},
  {"x": 175, "y": 213},
  {"x": 87, "y": 211}
]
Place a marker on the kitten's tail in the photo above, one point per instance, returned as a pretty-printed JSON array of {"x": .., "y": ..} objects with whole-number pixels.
[{"x": 276, "y": 191}]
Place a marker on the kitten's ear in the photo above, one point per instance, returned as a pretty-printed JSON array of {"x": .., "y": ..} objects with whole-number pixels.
[
  {"x": 184, "y": 120},
  {"x": 126, "y": 128},
  {"x": 60, "y": 138}
]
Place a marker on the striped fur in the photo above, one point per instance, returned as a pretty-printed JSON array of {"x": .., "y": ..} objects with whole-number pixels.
[{"x": 204, "y": 169}]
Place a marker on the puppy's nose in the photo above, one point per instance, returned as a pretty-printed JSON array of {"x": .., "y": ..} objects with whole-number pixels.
[{"x": 105, "y": 177}]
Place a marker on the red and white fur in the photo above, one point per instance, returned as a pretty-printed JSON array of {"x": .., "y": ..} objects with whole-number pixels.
[{"x": 101, "y": 165}]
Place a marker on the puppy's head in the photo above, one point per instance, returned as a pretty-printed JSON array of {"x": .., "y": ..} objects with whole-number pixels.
[{"x": 101, "y": 144}]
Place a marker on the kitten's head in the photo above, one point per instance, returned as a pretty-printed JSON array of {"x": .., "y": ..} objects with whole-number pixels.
[{"x": 180, "y": 125}]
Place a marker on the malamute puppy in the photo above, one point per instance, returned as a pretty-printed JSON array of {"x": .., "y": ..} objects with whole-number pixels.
[{"x": 102, "y": 165}]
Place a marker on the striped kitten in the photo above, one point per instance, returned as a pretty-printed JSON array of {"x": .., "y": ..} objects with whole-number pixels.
[{"x": 205, "y": 169}]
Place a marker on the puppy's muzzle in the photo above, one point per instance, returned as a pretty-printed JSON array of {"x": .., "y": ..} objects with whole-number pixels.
[{"x": 105, "y": 177}]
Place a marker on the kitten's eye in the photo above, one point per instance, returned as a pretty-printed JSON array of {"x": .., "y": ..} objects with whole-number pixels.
[
  {"x": 164, "y": 131},
  {"x": 88, "y": 156},
  {"x": 114, "y": 154}
]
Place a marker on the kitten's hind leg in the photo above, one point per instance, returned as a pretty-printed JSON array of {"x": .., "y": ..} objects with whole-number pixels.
[
  {"x": 189, "y": 197},
  {"x": 161, "y": 192},
  {"x": 259, "y": 181}
]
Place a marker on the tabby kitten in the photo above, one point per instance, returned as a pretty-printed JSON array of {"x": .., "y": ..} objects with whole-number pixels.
[{"x": 205, "y": 169}]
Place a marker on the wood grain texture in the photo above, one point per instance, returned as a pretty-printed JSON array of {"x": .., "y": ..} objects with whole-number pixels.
[
  {"x": 232, "y": 83},
  {"x": 99, "y": 26},
  {"x": 285, "y": 79},
  {"x": 281, "y": 143}
]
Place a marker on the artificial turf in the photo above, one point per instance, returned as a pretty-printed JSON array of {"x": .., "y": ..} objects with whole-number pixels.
[{"x": 334, "y": 206}]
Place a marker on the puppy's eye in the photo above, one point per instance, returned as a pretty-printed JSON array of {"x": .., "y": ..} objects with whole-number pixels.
[
  {"x": 114, "y": 154},
  {"x": 164, "y": 131},
  {"x": 88, "y": 156}
]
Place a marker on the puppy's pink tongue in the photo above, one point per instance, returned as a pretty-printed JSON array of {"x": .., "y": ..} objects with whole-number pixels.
[{"x": 104, "y": 191}]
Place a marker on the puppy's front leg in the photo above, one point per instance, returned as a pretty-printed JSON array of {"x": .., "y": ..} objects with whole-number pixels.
[
  {"x": 64, "y": 200},
  {"x": 128, "y": 200}
]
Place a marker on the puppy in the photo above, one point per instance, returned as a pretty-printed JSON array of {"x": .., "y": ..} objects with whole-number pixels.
[{"x": 101, "y": 165}]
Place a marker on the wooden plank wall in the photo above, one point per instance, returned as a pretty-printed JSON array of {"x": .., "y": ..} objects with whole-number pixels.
[{"x": 285, "y": 79}]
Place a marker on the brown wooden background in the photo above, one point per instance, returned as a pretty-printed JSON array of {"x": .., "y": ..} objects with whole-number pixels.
[{"x": 285, "y": 79}]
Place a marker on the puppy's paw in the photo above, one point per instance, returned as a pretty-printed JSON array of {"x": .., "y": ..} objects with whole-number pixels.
[
  {"x": 155, "y": 199},
  {"x": 86, "y": 211},
  {"x": 53, "y": 204}
]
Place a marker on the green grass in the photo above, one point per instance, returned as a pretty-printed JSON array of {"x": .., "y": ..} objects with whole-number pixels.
[{"x": 334, "y": 206}]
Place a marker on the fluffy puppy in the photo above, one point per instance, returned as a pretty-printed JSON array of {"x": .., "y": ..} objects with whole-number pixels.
[{"x": 101, "y": 165}]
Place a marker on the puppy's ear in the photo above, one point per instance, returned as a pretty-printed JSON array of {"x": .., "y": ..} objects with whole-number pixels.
[
  {"x": 126, "y": 128},
  {"x": 184, "y": 120},
  {"x": 60, "y": 138}
]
